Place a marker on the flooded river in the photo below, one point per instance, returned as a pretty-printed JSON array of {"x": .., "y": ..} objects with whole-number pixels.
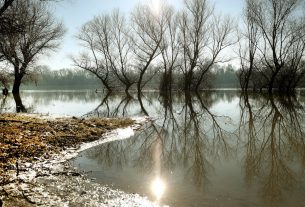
[{"x": 216, "y": 148}]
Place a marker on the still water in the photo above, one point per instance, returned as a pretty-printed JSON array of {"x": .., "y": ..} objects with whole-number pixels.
[{"x": 215, "y": 148}]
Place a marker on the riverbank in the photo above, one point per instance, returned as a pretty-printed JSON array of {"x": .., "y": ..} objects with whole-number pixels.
[{"x": 33, "y": 154}]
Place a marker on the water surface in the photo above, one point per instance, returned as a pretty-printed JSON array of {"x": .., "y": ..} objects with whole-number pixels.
[{"x": 216, "y": 148}]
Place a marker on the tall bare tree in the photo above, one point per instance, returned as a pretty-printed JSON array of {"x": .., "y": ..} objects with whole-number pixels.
[
  {"x": 193, "y": 33},
  {"x": 96, "y": 37},
  {"x": 120, "y": 57},
  {"x": 109, "y": 50},
  {"x": 169, "y": 48},
  {"x": 41, "y": 33},
  {"x": 222, "y": 31},
  {"x": 147, "y": 32},
  {"x": 248, "y": 46},
  {"x": 203, "y": 35},
  {"x": 281, "y": 45}
]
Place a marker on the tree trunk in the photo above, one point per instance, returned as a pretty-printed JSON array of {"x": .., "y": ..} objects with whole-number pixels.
[
  {"x": 188, "y": 81},
  {"x": 170, "y": 80},
  {"x": 200, "y": 79},
  {"x": 139, "y": 83},
  {"x": 19, "y": 105},
  {"x": 17, "y": 83},
  {"x": 271, "y": 82},
  {"x": 270, "y": 87},
  {"x": 166, "y": 82},
  {"x": 246, "y": 86},
  {"x": 127, "y": 86},
  {"x": 109, "y": 89}
]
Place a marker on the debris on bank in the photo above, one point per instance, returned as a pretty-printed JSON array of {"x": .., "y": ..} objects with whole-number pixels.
[{"x": 33, "y": 154}]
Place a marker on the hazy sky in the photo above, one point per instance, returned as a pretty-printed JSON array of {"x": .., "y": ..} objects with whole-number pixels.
[{"x": 74, "y": 13}]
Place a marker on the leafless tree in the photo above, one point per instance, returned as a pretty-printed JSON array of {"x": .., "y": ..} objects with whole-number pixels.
[
  {"x": 109, "y": 49},
  {"x": 154, "y": 40},
  {"x": 121, "y": 54},
  {"x": 247, "y": 47},
  {"x": 193, "y": 32},
  {"x": 147, "y": 32},
  {"x": 281, "y": 45},
  {"x": 169, "y": 48},
  {"x": 10, "y": 25},
  {"x": 203, "y": 35},
  {"x": 41, "y": 34},
  {"x": 222, "y": 38},
  {"x": 96, "y": 37}
]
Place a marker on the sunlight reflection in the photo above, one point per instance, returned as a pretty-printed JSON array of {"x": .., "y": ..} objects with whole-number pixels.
[
  {"x": 124, "y": 133},
  {"x": 158, "y": 187}
]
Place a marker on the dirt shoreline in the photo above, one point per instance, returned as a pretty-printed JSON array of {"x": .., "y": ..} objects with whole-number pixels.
[{"x": 33, "y": 154}]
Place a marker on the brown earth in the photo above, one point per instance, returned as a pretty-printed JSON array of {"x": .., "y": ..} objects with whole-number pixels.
[{"x": 27, "y": 137}]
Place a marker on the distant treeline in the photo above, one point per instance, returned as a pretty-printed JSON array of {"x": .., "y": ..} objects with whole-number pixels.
[
  {"x": 62, "y": 79},
  {"x": 221, "y": 77}
]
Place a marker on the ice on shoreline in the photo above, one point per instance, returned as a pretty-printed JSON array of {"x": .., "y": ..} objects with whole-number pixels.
[{"x": 53, "y": 182}]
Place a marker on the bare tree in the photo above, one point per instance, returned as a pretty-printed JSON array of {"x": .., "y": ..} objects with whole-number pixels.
[
  {"x": 10, "y": 25},
  {"x": 247, "y": 51},
  {"x": 121, "y": 55},
  {"x": 155, "y": 39},
  {"x": 169, "y": 48},
  {"x": 147, "y": 33},
  {"x": 96, "y": 37},
  {"x": 109, "y": 48},
  {"x": 221, "y": 38},
  {"x": 203, "y": 36},
  {"x": 193, "y": 32},
  {"x": 281, "y": 45},
  {"x": 105, "y": 37},
  {"x": 41, "y": 34}
]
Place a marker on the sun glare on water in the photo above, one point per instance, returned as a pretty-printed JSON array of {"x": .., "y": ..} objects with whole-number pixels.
[{"x": 158, "y": 188}]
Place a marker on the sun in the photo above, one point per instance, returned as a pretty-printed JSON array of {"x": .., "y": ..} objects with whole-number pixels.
[{"x": 156, "y": 6}]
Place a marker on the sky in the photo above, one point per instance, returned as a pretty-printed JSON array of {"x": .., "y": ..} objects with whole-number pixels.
[{"x": 75, "y": 13}]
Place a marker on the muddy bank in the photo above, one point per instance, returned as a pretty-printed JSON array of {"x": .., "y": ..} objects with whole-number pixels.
[
  {"x": 27, "y": 137},
  {"x": 33, "y": 154}
]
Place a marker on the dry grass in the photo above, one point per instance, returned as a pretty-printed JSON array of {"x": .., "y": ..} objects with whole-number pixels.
[{"x": 25, "y": 137}]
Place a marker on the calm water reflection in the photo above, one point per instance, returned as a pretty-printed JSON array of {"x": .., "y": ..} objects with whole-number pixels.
[
  {"x": 212, "y": 149},
  {"x": 75, "y": 103}
]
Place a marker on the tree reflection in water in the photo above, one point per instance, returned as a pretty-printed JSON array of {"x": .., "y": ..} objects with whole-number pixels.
[
  {"x": 3, "y": 103},
  {"x": 13, "y": 103},
  {"x": 118, "y": 107},
  {"x": 192, "y": 145},
  {"x": 184, "y": 132},
  {"x": 273, "y": 128}
]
